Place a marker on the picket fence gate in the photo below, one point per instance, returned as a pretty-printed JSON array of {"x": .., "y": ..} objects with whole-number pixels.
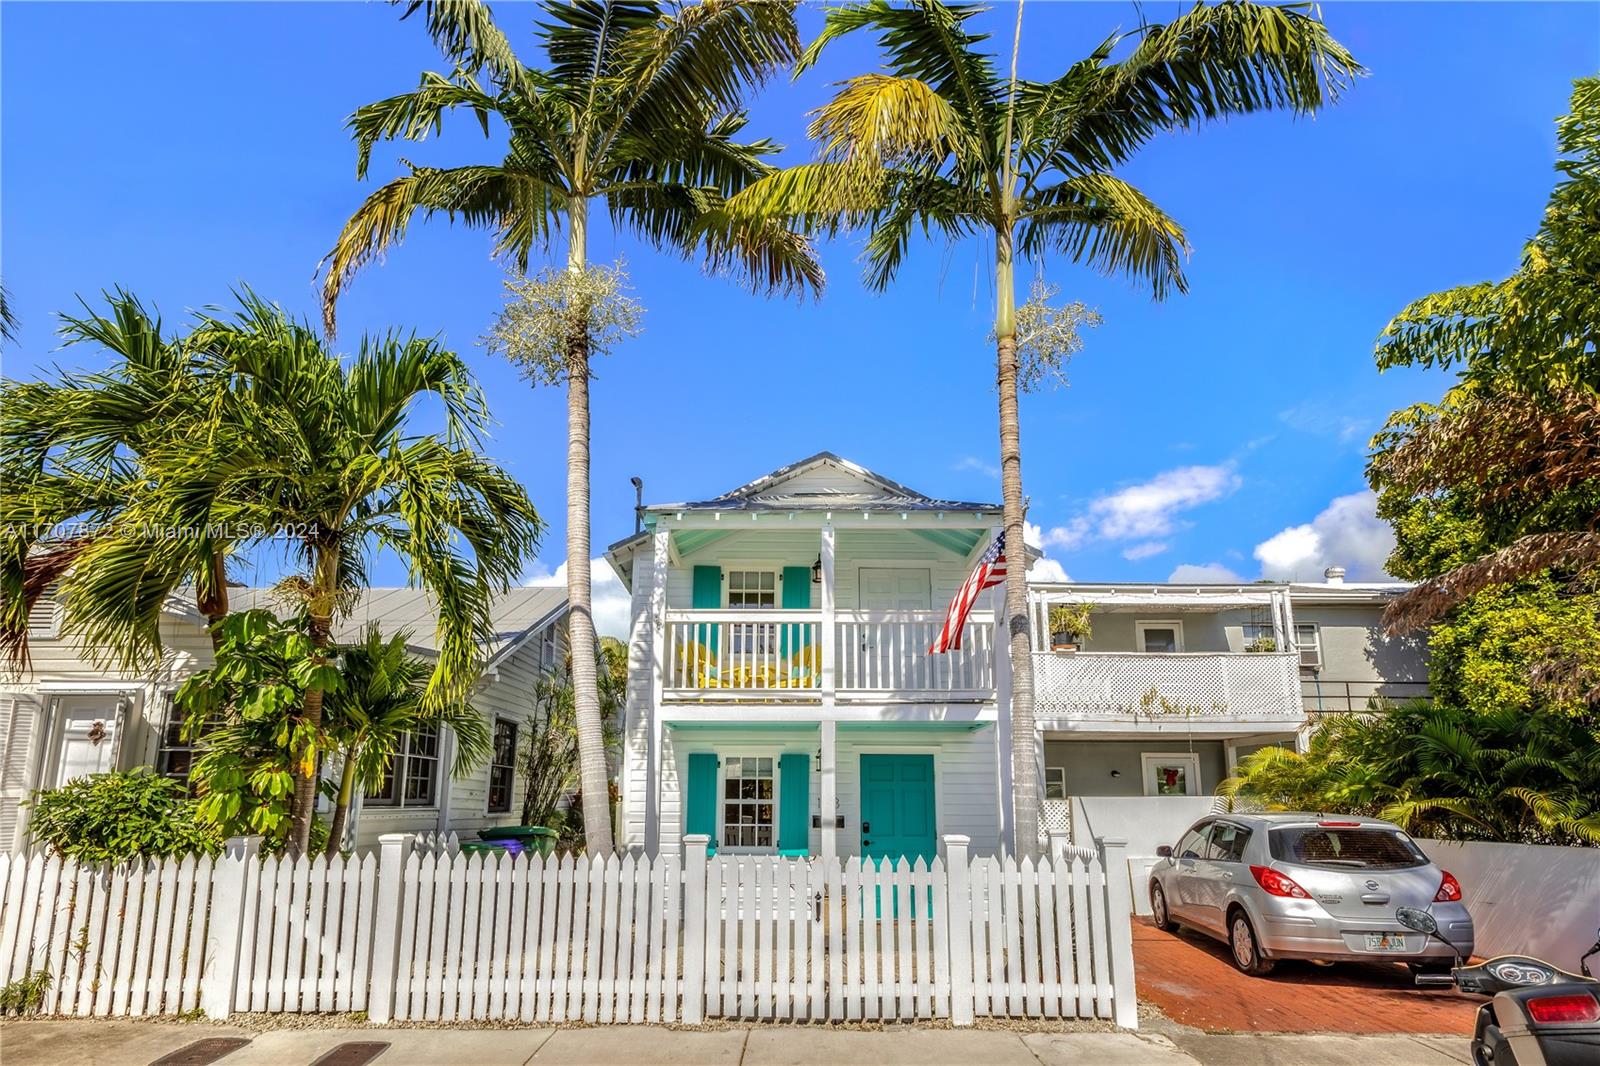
[{"x": 419, "y": 931}]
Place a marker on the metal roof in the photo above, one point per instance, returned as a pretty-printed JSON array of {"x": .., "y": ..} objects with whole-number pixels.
[
  {"x": 513, "y": 614},
  {"x": 755, "y": 495}
]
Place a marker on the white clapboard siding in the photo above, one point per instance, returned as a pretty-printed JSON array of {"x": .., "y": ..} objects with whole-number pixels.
[{"x": 467, "y": 937}]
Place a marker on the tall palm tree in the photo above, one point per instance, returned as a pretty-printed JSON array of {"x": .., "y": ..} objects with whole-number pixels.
[
  {"x": 636, "y": 106},
  {"x": 381, "y": 700},
  {"x": 72, "y": 452},
  {"x": 944, "y": 142}
]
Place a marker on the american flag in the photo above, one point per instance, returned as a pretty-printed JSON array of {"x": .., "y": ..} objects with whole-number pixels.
[{"x": 990, "y": 571}]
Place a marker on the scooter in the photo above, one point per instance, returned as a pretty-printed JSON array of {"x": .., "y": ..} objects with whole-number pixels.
[{"x": 1539, "y": 1014}]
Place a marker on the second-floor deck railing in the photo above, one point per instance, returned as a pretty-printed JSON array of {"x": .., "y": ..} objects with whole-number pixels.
[
  {"x": 781, "y": 655},
  {"x": 1198, "y": 686}
]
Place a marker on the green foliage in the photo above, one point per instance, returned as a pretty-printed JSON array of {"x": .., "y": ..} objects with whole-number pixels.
[
  {"x": 548, "y": 759},
  {"x": 1441, "y": 771},
  {"x": 25, "y": 995},
  {"x": 543, "y": 314},
  {"x": 1539, "y": 329},
  {"x": 117, "y": 817},
  {"x": 248, "y": 712},
  {"x": 1073, "y": 619}
]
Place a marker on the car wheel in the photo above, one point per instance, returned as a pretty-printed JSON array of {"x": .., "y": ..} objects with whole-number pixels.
[
  {"x": 1158, "y": 909},
  {"x": 1245, "y": 949}
]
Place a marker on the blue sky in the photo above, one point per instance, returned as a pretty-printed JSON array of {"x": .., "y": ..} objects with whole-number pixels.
[{"x": 181, "y": 149}]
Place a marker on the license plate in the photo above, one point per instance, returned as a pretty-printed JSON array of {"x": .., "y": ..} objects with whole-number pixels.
[{"x": 1386, "y": 942}]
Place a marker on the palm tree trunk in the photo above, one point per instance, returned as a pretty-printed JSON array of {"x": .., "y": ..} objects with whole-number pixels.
[
  {"x": 593, "y": 778},
  {"x": 1024, "y": 739},
  {"x": 341, "y": 812},
  {"x": 211, "y": 598},
  {"x": 324, "y": 588}
]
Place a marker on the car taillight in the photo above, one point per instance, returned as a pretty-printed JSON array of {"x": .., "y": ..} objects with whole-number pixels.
[
  {"x": 1277, "y": 884},
  {"x": 1558, "y": 1009},
  {"x": 1340, "y": 825},
  {"x": 1449, "y": 889}
]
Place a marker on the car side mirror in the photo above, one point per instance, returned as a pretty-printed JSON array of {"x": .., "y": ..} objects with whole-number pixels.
[{"x": 1164, "y": 851}]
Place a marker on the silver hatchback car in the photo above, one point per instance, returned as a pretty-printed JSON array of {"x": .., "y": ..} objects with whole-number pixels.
[{"x": 1307, "y": 886}]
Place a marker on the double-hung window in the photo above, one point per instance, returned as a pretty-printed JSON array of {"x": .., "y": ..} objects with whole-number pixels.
[
  {"x": 502, "y": 766},
  {"x": 175, "y": 755},
  {"x": 413, "y": 777},
  {"x": 749, "y": 802},
  {"x": 753, "y": 590},
  {"x": 1308, "y": 637}
]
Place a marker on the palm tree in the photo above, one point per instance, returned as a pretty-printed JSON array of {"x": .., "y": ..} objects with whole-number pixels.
[
  {"x": 382, "y": 699},
  {"x": 73, "y": 449},
  {"x": 636, "y": 108},
  {"x": 944, "y": 142},
  {"x": 325, "y": 460}
]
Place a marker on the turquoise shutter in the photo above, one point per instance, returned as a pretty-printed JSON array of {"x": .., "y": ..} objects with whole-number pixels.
[
  {"x": 796, "y": 597},
  {"x": 794, "y": 804},
  {"x": 700, "y": 797},
  {"x": 797, "y": 588},
  {"x": 707, "y": 596}
]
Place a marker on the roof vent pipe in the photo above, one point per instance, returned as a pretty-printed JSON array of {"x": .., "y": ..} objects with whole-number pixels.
[{"x": 1334, "y": 575}]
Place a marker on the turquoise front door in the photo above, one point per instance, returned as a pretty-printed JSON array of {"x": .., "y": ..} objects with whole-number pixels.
[{"x": 897, "y": 807}]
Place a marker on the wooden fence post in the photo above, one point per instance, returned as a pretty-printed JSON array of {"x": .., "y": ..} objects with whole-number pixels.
[
  {"x": 958, "y": 917},
  {"x": 230, "y": 877},
  {"x": 694, "y": 927},
  {"x": 1119, "y": 926},
  {"x": 393, "y": 850}
]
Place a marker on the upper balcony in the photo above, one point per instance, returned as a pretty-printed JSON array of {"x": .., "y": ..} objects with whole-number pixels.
[
  {"x": 1158, "y": 658},
  {"x": 873, "y": 657}
]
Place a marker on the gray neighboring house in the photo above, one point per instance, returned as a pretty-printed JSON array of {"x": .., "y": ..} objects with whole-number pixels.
[
  {"x": 1178, "y": 682},
  {"x": 67, "y": 716}
]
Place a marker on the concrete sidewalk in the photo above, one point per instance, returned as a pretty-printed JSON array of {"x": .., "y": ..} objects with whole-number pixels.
[{"x": 127, "y": 1043}]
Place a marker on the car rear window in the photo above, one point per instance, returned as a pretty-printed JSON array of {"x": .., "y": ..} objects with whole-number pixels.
[{"x": 1367, "y": 848}]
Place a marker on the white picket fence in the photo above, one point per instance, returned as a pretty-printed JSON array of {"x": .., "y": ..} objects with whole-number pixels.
[{"x": 422, "y": 932}]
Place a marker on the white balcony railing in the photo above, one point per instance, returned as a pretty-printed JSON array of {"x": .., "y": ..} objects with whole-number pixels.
[
  {"x": 1202, "y": 686},
  {"x": 781, "y": 655},
  {"x": 887, "y": 653}
]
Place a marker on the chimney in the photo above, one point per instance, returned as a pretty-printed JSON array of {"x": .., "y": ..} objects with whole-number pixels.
[{"x": 1334, "y": 575}]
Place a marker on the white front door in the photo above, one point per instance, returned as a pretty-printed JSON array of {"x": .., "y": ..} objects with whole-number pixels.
[
  {"x": 895, "y": 589},
  {"x": 86, "y": 728}
]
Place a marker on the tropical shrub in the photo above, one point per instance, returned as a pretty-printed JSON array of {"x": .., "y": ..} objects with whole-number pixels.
[
  {"x": 1441, "y": 771},
  {"x": 121, "y": 816}
]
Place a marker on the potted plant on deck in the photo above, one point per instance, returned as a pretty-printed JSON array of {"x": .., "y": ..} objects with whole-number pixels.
[{"x": 1069, "y": 626}]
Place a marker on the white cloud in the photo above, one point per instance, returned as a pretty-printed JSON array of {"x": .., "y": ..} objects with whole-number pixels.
[
  {"x": 1032, "y": 534},
  {"x": 1144, "y": 551},
  {"x": 1203, "y": 574},
  {"x": 1315, "y": 418},
  {"x": 1347, "y": 533},
  {"x": 612, "y": 604},
  {"x": 972, "y": 462},
  {"x": 1147, "y": 510},
  {"x": 1047, "y": 570}
]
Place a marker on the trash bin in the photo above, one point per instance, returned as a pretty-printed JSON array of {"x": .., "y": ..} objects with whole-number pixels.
[{"x": 529, "y": 836}]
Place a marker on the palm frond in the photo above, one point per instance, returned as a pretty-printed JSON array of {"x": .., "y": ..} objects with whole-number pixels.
[
  {"x": 878, "y": 120},
  {"x": 1103, "y": 222}
]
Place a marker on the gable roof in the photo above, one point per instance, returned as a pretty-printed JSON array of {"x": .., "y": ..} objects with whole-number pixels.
[
  {"x": 878, "y": 493},
  {"x": 513, "y": 614}
]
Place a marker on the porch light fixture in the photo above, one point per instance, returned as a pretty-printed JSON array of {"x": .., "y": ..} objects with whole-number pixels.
[{"x": 816, "y": 571}]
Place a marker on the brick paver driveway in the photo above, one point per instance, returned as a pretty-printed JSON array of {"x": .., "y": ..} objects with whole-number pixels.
[{"x": 1189, "y": 977}]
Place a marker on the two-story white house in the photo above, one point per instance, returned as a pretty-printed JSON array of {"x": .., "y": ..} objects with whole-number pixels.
[{"x": 781, "y": 696}]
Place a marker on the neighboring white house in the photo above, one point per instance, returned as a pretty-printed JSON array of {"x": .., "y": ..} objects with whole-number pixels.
[
  {"x": 781, "y": 697},
  {"x": 67, "y": 716}
]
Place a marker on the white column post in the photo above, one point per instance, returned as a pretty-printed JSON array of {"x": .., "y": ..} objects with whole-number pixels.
[
  {"x": 231, "y": 879},
  {"x": 1119, "y": 929},
  {"x": 958, "y": 914},
  {"x": 1058, "y": 843},
  {"x": 661, "y": 558},
  {"x": 694, "y": 927},
  {"x": 828, "y": 800},
  {"x": 393, "y": 851},
  {"x": 830, "y": 635}
]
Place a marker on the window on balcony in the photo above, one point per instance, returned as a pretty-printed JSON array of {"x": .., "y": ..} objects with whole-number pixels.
[
  {"x": 1055, "y": 782},
  {"x": 1308, "y": 636},
  {"x": 1155, "y": 638},
  {"x": 753, "y": 590}
]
